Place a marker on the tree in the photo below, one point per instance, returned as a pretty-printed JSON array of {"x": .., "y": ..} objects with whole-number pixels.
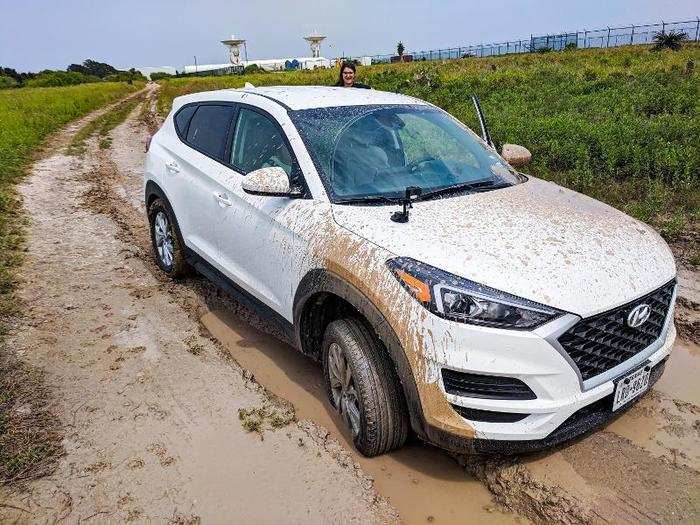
[
  {"x": 400, "y": 48},
  {"x": 92, "y": 67},
  {"x": 673, "y": 40}
]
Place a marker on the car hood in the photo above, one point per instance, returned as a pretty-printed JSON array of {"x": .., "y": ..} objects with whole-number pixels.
[{"x": 536, "y": 240}]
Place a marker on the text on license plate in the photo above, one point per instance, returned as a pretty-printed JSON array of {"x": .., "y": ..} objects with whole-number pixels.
[{"x": 631, "y": 386}]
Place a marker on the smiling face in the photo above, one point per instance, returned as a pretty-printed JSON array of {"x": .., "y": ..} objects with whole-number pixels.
[{"x": 348, "y": 77}]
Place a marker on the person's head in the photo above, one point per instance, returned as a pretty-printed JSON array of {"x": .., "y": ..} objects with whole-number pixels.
[{"x": 346, "y": 78}]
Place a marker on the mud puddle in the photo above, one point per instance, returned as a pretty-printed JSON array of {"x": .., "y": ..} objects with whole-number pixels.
[
  {"x": 682, "y": 377},
  {"x": 422, "y": 482}
]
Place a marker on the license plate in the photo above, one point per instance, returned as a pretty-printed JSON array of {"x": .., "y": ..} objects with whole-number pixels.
[{"x": 632, "y": 385}]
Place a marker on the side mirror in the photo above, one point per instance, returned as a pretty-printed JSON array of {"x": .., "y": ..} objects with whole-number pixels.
[
  {"x": 272, "y": 181},
  {"x": 515, "y": 155}
]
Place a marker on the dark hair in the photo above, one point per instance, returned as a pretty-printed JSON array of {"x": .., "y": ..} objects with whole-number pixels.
[{"x": 346, "y": 63}]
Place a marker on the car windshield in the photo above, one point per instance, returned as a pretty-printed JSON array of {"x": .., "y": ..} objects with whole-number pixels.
[{"x": 374, "y": 153}]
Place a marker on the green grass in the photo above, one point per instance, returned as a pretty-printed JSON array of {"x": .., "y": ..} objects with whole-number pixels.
[
  {"x": 27, "y": 117},
  {"x": 621, "y": 125}
]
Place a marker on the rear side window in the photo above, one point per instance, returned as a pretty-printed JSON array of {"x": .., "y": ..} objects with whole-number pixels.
[
  {"x": 182, "y": 119},
  {"x": 258, "y": 143},
  {"x": 208, "y": 128}
]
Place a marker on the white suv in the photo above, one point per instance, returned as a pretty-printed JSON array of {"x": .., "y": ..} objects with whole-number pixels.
[{"x": 441, "y": 290}]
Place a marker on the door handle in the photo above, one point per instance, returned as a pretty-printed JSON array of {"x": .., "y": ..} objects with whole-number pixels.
[
  {"x": 223, "y": 200},
  {"x": 172, "y": 167}
]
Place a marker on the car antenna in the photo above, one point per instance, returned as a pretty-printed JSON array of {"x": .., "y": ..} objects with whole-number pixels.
[{"x": 406, "y": 203}]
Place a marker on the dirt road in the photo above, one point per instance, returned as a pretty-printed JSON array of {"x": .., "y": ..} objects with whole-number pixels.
[{"x": 154, "y": 382}]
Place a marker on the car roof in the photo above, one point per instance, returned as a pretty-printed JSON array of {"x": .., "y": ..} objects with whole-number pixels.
[{"x": 306, "y": 97}]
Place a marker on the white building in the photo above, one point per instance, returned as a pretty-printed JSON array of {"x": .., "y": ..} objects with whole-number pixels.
[{"x": 271, "y": 64}]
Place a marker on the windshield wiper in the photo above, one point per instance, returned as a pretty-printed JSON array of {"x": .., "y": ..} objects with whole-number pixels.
[
  {"x": 369, "y": 199},
  {"x": 474, "y": 187}
]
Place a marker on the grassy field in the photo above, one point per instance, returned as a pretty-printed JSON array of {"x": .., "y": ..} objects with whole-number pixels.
[{"x": 621, "y": 125}]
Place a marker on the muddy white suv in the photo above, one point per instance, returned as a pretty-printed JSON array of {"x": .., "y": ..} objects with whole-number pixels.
[{"x": 441, "y": 290}]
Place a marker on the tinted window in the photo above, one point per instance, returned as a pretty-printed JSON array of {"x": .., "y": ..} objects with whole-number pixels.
[
  {"x": 183, "y": 118},
  {"x": 258, "y": 143},
  {"x": 208, "y": 128}
]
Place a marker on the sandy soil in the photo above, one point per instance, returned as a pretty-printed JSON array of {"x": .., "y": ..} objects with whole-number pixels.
[{"x": 150, "y": 375}]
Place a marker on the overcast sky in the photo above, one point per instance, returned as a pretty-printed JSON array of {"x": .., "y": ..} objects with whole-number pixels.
[{"x": 40, "y": 34}]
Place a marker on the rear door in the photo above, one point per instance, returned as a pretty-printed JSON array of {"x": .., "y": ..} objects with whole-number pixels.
[{"x": 198, "y": 173}]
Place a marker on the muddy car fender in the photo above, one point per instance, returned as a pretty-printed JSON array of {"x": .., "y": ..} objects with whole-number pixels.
[{"x": 316, "y": 285}]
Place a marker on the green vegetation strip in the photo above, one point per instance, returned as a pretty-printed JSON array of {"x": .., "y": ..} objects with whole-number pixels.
[
  {"x": 621, "y": 125},
  {"x": 30, "y": 437},
  {"x": 102, "y": 125}
]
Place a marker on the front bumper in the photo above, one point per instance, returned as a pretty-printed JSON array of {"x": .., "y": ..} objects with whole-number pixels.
[{"x": 564, "y": 408}]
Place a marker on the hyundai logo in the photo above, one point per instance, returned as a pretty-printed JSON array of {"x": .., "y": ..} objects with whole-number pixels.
[{"x": 638, "y": 316}]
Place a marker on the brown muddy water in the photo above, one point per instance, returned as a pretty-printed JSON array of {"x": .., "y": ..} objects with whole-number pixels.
[
  {"x": 682, "y": 377},
  {"x": 422, "y": 482}
]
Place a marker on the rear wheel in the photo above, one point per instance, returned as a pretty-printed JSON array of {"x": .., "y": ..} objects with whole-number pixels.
[
  {"x": 166, "y": 240},
  {"x": 361, "y": 384}
]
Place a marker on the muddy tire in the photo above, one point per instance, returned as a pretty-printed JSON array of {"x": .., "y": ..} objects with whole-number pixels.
[
  {"x": 370, "y": 399},
  {"x": 168, "y": 248}
]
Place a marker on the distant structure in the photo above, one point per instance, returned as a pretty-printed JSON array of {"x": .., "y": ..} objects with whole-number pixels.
[
  {"x": 314, "y": 40},
  {"x": 234, "y": 50},
  {"x": 237, "y": 62}
]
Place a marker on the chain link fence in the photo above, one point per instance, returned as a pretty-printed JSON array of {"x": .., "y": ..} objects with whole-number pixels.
[{"x": 588, "y": 38}]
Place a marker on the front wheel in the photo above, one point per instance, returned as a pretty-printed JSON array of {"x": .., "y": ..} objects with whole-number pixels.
[
  {"x": 165, "y": 238},
  {"x": 362, "y": 386}
]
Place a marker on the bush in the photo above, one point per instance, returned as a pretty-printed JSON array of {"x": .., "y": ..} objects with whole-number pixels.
[
  {"x": 7, "y": 82},
  {"x": 60, "y": 78},
  {"x": 672, "y": 40},
  {"x": 253, "y": 68},
  {"x": 126, "y": 76},
  {"x": 160, "y": 75}
]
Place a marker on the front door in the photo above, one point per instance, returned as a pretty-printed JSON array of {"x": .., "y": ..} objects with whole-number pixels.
[{"x": 259, "y": 238}]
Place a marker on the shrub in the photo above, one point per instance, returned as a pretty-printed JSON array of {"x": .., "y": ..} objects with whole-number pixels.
[
  {"x": 672, "y": 40},
  {"x": 253, "y": 68},
  {"x": 60, "y": 78},
  {"x": 7, "y": 82},
  {"x": 160, "y": 75}
]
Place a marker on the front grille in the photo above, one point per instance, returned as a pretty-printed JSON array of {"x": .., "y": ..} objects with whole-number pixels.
[
  {"x": 483, "y": 386},
  {"x": 488, "y": 416},
  {"x": 600, "y": 343}
]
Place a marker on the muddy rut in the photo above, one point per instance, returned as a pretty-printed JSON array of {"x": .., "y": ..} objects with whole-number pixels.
[{"x": 154, "y": 382}]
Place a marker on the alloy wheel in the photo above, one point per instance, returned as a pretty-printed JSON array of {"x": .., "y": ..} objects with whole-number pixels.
[
  {"x": 163, "y": 235},
  {"x": 345, "y": 396}
]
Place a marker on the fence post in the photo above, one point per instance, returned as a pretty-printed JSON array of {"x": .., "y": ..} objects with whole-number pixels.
[
  {"x": 607, "y": 44},
  {"x": 632, "y": 36},
  {"x": 585, "y": 37},
  {"x": 697, "y": 27},
  {"x": 663, "y": 26}
]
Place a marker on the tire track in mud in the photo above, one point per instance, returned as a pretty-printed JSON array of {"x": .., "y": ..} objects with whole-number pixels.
[{"x": 608, "y": 476}]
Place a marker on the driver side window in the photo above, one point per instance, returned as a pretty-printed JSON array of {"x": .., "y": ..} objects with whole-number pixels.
[{"x": 257, "y": 143}]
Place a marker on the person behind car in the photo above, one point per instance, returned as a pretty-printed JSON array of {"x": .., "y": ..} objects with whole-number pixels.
[{"x": 347, "y": 75}]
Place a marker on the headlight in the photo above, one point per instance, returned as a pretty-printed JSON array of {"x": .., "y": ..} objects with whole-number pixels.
[{"x": 460, "y": 299}]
